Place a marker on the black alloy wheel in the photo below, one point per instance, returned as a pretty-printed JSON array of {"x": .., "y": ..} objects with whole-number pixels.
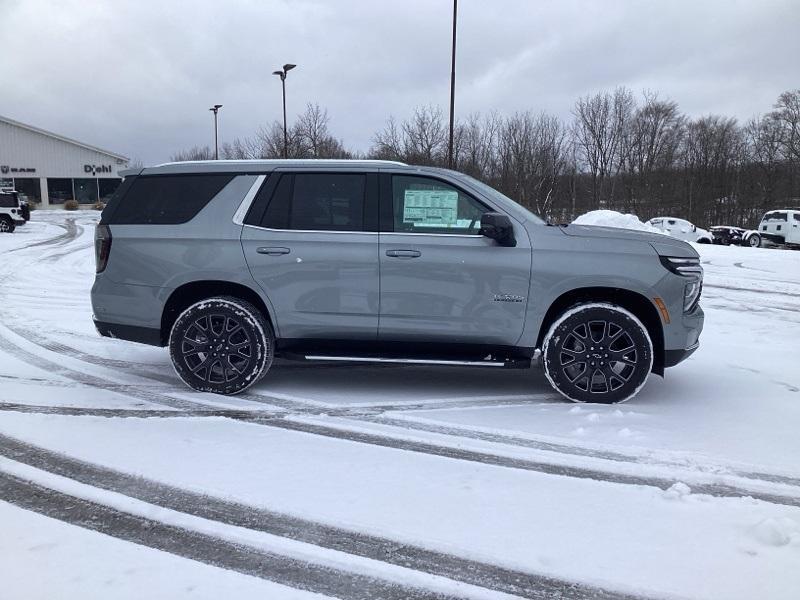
[
  {"x": 598, "y": 352},
  {"x": 222, "y": 345}
]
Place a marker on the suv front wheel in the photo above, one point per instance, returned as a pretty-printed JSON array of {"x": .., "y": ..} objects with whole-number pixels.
[
  {"x": 222, "y": 345},
  {"x": 597, "y": 352}
]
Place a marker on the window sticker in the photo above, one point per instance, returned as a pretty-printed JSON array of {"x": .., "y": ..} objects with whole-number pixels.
[{"x": 430, "y": 207}]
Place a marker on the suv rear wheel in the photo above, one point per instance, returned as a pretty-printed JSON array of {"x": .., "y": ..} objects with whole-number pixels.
[
  {"x": 597, "y": 352},
  {"x": 6, "y": 224},
  {"x": 221, "y": 345}
]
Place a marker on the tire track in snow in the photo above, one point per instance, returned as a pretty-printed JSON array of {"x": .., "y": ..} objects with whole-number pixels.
[
  {"x": 548, "y": 446},
  {"x": 720, "y": 490},
  {"x": 204, "y": 548},
  {"x": 132, "y": 368},
  {"x": 131, "y": 413},
  {"x": 484, "y": 575},
  {"x": 363, "y": 412},
  {"x": 97, "y": 382},
  {"x": 750, "y": 290},
  {"x": 70, "y": 233}
]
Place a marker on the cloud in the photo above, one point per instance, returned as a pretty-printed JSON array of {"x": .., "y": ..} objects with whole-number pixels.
[{"x": 138, "y": 76}]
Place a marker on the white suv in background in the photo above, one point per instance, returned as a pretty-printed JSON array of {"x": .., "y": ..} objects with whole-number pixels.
[
  {"x": 10, "y": 212},
  {"x": 681, "y": 229}
]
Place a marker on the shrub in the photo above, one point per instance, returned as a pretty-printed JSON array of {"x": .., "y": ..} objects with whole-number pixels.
[
  {"x": 98, "y": 205},
  {"x": 71, "y": 205},
  {"x": 32, "y": 206}
]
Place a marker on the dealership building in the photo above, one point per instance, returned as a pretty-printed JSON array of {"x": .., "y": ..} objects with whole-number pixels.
[{"x": 50, "y": 168}]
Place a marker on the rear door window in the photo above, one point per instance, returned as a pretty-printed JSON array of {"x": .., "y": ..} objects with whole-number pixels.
[
  {"x": 167, "y": 199},
  {"x": 318, "y": 202}
]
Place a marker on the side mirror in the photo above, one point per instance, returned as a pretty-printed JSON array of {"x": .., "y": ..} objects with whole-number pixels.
[{"x": 498, "y": 227}]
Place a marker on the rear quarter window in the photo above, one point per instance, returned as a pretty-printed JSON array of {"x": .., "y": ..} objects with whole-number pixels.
[
  {"x": 775, "y": 216},
  {"x": 167, "y": 199},
  {"x": 8, "y": 201}
]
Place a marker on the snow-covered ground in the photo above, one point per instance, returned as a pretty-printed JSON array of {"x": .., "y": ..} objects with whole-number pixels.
[{"x": 395, "y": 482}]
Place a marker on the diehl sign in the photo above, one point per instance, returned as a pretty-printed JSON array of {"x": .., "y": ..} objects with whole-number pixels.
[{"x": 95, "y": 169}]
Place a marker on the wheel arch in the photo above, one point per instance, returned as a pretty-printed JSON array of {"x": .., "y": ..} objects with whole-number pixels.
[
  {"x": 187, "y": 294},
  {"x": 634, "y": 302}
]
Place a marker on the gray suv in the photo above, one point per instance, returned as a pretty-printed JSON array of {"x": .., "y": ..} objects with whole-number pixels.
[{"x": 231, "y": 263}]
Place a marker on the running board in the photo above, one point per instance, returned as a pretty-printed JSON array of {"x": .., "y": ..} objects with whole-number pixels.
[{"x": 510, "y": 363}]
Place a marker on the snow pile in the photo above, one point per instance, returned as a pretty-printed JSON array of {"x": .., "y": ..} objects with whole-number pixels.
[
  {"x": 776, "y": 531},
  {"x": 612, "y": 218},
  {"x": 677, "y": 491}
]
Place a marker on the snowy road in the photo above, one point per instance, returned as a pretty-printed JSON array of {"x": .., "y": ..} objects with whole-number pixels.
[{"x": 393, "y": 482}]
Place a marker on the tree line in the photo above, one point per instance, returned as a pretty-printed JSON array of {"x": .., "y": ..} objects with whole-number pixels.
[{"x": 617, "y": 151}]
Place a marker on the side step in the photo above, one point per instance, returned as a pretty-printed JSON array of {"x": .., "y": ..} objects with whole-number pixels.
[{"x": 507, "y": 363}]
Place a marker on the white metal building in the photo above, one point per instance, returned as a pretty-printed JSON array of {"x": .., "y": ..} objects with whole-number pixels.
[{"x": 50, "y": 168}]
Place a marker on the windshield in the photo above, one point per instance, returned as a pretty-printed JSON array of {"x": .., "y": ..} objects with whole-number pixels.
[{"x": 493, "y": 193}]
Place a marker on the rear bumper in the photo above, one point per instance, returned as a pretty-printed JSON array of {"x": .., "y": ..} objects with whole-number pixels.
[{"x": 131, "y": 333}]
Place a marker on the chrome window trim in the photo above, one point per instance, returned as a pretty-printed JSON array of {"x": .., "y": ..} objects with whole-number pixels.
[
  {"x": 310, "y": 230},
  {"x": 247, "y": 201},
  {"x": 460, "y": 235},
  {"x": 466, "y": 235}
]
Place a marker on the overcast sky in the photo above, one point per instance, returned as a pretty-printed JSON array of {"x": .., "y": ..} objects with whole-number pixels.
[{"x": 137, "y": 76}]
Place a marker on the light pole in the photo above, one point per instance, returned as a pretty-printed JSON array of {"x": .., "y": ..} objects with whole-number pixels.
[
  {"x": 452, "y": 87},
  {"x": 282, "y": 74},
  {"x": 214, "y": 109}
]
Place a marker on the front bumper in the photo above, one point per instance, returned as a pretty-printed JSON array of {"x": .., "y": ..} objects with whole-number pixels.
[
  {"x": 673, "y": 357},
  {"x": 683, "y": 336}
]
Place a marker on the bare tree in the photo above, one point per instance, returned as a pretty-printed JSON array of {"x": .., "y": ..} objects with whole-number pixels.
[
  {"x": 532, "y": 155},
  {"x": 474, "y": 145},
  {"x": 649, "y": 148},
  {"x": 194, "y": 153},
  {"x": 787, "y": 113},
  {"x": 387, "y": 144},
  {"x": 425, "y": 136},
  {"x": 600, "y": 121},
  {"x": 313, "y": 137}
]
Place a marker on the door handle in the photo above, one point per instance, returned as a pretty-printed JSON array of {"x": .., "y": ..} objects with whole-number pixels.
[
  {"x": 403, "y": 253},
  {"x": 272, "y": 251}
]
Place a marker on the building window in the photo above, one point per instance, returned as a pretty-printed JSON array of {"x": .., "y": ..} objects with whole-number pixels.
[
  {"x": 30, "y": 187},
  {"x": 107, "y": 187},
  {"x": 85, "y": 190},
  {"x": 59, "y": 190}
]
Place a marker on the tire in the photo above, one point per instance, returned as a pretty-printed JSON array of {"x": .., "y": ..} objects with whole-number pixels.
[
  {"x": 754, "y": 241},
  {"x": 704, "y": 240},
  {"x": 201, "y": 342},
  {"x": 6, "y": 225},
  {"x": 591, "y": 336}
]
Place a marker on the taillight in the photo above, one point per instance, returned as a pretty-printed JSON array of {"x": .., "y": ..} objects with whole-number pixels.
[{"x": 102, "y": 247}]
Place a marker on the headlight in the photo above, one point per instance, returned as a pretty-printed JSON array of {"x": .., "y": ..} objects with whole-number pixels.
[
  {"x": 691, "y": 294},
  {"x": 691, "y": 269}
]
